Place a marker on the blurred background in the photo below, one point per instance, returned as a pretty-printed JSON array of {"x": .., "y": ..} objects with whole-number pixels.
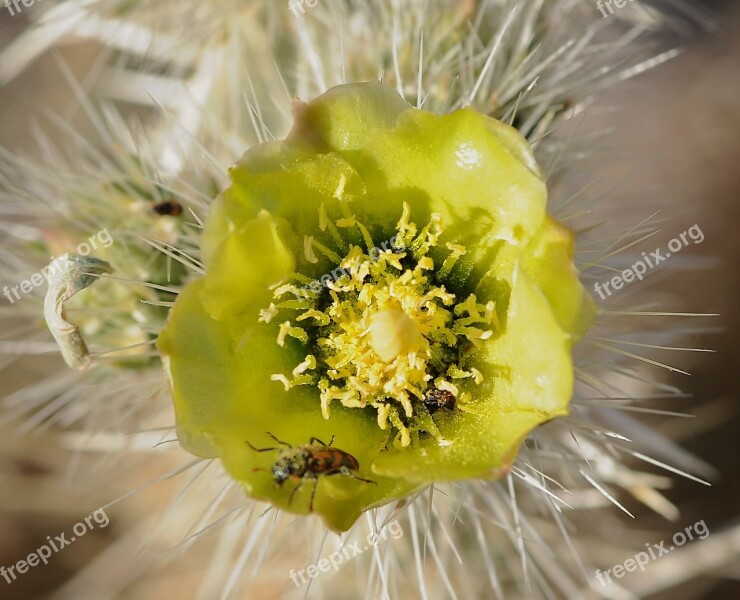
[{"x": 675, "y": 138}]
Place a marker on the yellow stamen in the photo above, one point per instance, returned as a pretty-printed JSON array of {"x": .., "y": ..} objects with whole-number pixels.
[
  {"x": 386, "y": 333},
  {"x": 308, "y": 250},
  {"x": 268, "y": 314}
]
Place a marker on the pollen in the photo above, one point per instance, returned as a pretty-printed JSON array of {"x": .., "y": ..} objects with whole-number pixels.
[{"x": 388, "y": 332}]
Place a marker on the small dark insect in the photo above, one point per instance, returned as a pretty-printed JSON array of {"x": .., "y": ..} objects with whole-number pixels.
[
  {"x": 310, "y": 461},
  {"x": 437, "y": 399},
  {"x": 169, "y": 208}
]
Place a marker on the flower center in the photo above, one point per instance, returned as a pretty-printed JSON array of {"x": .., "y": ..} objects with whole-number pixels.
[
  {"x": 382, "y": 331},
  {"x": 393, "y": 332}
]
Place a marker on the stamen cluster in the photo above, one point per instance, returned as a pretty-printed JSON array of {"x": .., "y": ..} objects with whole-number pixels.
[{"x": 388, "y": 331}]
